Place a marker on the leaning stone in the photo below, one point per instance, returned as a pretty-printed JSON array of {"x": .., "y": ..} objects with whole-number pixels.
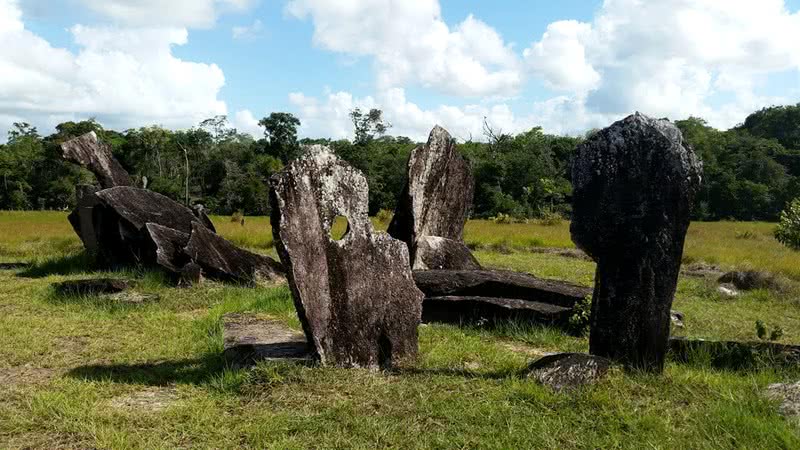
[
  {"x": 788, "y": 395},
  {"x": 138, "y": 207},
  {"x": 224, "y": 261},
  {"x": 201, "y": 213},
  {"x": 568, "y": 370},
  {"x": 437, "y": 253},
  {"x": 355, "y": 296},
  {"x": 96, "y": 156},
  {"x": 455, "y": 309},
  {"x": 438, "y": 195},
  {"x": 499, "y": 284},
  {"x": 634, "y": 184},
  {"x": 90, "y": 287},
  {"x": 250, "y": 339}
]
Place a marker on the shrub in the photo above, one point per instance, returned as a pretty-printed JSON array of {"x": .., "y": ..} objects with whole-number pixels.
[
  {"x": 788, "y": 231},
  {"x": 384, "y": 216},
  {"x": 761, "y": 332},
  {"x": 581, "y": 316},
  {"x": 238, "y": 216},
  {"x": 550, "y": 218}
]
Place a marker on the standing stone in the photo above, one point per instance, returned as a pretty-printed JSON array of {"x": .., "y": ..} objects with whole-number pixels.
[
  {"x": 81, "y": 218},
  {"x": 96, "y": 156},
  {"x": 634, "y": 184},
  {"x": 355, "y": 297},
  {"x": 438, "y": 195}
]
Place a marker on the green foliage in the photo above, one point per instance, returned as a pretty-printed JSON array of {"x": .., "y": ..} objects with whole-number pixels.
[
  {"x": 581, "y": 317},
  {"x": 762, "y": 330},
  {"x": 788, "y": 230}
]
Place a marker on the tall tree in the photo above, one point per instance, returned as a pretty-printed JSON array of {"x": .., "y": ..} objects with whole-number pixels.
[{"x": 280, "y": 132}]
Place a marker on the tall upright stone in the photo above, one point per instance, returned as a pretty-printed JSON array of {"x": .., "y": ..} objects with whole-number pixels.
[
  {"x": 436, "y": 202},
  {"x": 95, "y": 155},
  {"x": 634, "y": 184},
  {"x": 355, "y": 297}
]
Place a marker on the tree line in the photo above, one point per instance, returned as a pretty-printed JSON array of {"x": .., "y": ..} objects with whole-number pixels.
[{"x": 751, "y": 172}]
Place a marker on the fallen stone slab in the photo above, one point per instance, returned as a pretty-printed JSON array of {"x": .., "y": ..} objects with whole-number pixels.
[
  {"x": 14, "y": 266},
  {"x": 138, "y": 207},
  {"x": 92, "y": 287},
  {"x": 438, "y": 195},
  {"x": 166, "y": 247},
  {"x": 749, "y": 280},
  {"x": 437, "y": 253},
  {"x": 733, "y": 354},
  {"x": 222, "y": 260},
  {"x": 788, "y": 395},
  {"x": 564, "y": 371},
  {"x": 634, "y": 185},
  {"x": 355, "y": 296},
  {"x": 499, "y": 284},
  {"x": 88, "y": 151},
  {"x": 249, "y": 339},
  {"x": 458, "y": 309}
]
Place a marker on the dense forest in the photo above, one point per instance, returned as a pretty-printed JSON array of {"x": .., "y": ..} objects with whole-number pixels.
[{"x": 751, "y": 171}]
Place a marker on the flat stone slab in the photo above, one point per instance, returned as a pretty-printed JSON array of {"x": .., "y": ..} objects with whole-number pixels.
[
  {"x": 92, "y": 287},
  {"x": 14, "y": 266},
  {"x": 499, "y": 284},
  {"x": 249, "y": 339},
  {"x": 456, "y": 309},
  {"x": 568, "y": 370},
  {"x": 788, "y": 394},
  {"x": 734, "y": 354}
]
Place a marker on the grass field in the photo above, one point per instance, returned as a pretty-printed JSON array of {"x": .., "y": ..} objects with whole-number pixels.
[{"x": 87, "y": 373}]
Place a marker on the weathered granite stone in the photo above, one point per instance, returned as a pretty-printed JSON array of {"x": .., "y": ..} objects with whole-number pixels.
[
  {"x": 634, "y": 184},
  {"x": 459, "y": 309},
  {"x": 438, "y": 195},
  {"x": 498, "y": 284},
  {"x": 90, "y": 287},
  {"x": 750, "y": 279},
  {"x": 437, "y": 253},
  {"x": 355, "y": 297},
  {"x": 568, "y": 370},
  {"x": 224, "y": 261},
  {"x": 249, "y": 339},
  {"x": 81, "y": 218},
  {"x": 788, "y": 395},
  {"x": 96, "y": 156},
  {"x": 201, "y": 213},
  {"x": 167, "y": 247}
]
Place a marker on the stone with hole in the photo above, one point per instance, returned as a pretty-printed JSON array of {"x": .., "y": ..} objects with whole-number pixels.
[
  {"x": 355, "y": 296},
  {"x": 634, "y": 185}
]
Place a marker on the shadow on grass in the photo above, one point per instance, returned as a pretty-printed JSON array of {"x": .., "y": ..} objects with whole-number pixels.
[
  {"x": 197, "y": 371},
  {"x": 460, "y": 373},
  {"x": 64, "y": 265}
]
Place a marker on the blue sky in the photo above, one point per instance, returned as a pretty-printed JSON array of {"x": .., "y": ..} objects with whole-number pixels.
[{"x": 567, "y": 66}]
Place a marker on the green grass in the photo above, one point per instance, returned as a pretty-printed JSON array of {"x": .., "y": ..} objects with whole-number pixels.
[{"x": 85, "y": 373}]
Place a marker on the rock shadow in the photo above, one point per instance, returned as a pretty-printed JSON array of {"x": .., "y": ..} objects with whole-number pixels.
[{"x": 65, "y": 265}]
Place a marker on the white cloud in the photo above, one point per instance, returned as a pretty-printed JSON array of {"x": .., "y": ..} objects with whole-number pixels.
[
  {"x": 410, "y": 42},
  {"x": 329, "y": 116},
  {"x": 123, "y": 77},
  {"x": 170, "y": 13},
  {"x": 669, "y": 58},
  {"x": 248, "y": 32},
  {"x": 244, "y": 121}
]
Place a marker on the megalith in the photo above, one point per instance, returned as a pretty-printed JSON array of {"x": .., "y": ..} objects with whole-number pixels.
[
  {"x": 95, "y": 155},
  {"x": 355, "y": 296},
  {"x": 634, "y": 184},
  {"x": 436, "y": 202}
]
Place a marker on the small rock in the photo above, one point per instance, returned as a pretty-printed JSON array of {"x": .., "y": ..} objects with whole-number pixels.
[
  {"x": 90, "y": 287},
  {"x": 749, "y": 280},
  {"x": 728, "y": 290},
  {"x": 788, "y": 394},
  {"x": 568, "y": 370},
  {"x": 437, "y": 253},
  {"x": 677, "y": 318}
]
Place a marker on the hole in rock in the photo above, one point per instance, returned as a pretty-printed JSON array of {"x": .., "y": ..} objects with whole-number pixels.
[{"x": 339, "y": 228}]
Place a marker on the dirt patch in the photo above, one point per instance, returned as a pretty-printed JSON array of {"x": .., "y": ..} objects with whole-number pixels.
[
  {"x": 701, "y": 270},
  {"x": 151, "y": 399},
  {"x": 27, "y": 376}
]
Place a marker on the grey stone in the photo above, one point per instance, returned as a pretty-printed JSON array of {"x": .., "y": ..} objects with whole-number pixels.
[
  {"x": 82, "y": 217},
  {"x": 788, "y": 397},
  {"x": 224, "y": 261},
  {"x": 499, "y": 284},
  {"x": 458, "y": 309},
  {"x": 677, "y": 319},
  {"x": 166, "y": 247},
  {"x": 569, "y": 370},
  {"x": 355, "y": 297},
  {"x": 249, "y": 339},
  {"x": 438, "y": 195},
  {"x": 634, "y": 184},
  {"x": 750, "y": 279},
  {"x": 437, "y": 253},
  {"x": 96, "y": 156},
  {"x": 91, "y": 287},
  {"x": 201, "y": 213}
]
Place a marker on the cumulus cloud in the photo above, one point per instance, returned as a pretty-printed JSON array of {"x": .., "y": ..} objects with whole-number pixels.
[
  {"x": 171, "y": 13},
  {"x": 248, "y": 32},
  {"x": 410, "y": 42},
  {"x": 121, "y": 76},
  {"x": 669, "y": 58}
]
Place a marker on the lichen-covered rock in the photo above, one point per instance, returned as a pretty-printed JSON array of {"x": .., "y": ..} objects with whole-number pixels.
[
  {"x": 634, "y": 184},
  {"x": 437, "y": 253},
  {"x": 438, "y": 195},
  {"x": 201, "y": 213},
  {"x": 788, "y": 396},
  {"x": 167, "y": 247},
  {"x": 96, "y": 156},
  {"x": 224, "y": 261},
  {"x": 568, "y": 370},
  {"x": 355, "y": 296}
]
